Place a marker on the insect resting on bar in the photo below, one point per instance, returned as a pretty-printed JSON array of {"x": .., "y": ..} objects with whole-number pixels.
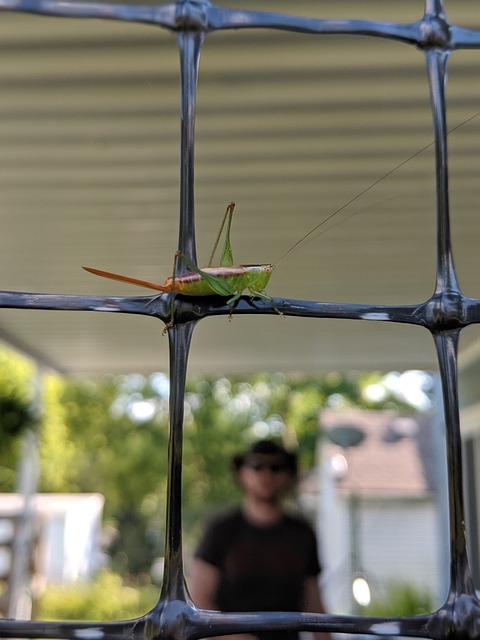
[
  {"x": 225, "y": 280},
  {"x": 228, "y": 280}
]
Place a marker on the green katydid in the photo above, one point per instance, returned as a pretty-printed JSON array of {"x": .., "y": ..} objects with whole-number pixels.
[
  {"x": 228, "y": 280},
  {"x": 225, "y": 280}
]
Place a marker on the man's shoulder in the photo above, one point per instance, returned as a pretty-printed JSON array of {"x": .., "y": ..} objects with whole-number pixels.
[
  {"x": 226, "y": 519},
  {"x": 297, "y": 521},
  {"x": 219, "y": 530}
]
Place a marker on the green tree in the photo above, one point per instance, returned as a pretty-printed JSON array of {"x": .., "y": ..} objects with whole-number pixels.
[
  {"x": 16, "y": 412},
  {"x": 93, "y": 443}
]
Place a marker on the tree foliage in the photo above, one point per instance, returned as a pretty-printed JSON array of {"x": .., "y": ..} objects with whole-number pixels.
[
  {"x": 16, "y": 412},
  {"x": 107, "y": 598},
  {"x": 402, "y": 599},
  {"x": 107, "y": 451}
]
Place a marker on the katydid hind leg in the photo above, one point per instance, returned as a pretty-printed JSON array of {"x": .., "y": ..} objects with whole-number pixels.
[{"x": 226, "y": 259}]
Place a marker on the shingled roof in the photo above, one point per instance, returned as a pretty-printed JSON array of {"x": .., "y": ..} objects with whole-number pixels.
[{"x": 395, "y": 457}]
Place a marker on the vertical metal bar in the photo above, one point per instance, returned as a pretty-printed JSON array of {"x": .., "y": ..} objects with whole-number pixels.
[
  {"x": 447, "y": 341},
  {"x": 179, "y": 340},
  {"x": 437, "y": 68},
  {"x": 460, "y": 576},
  {"x": 190, "y": 44}
]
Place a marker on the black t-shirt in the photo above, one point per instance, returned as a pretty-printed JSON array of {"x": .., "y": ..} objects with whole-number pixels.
[{"x": 261, "y": 568}]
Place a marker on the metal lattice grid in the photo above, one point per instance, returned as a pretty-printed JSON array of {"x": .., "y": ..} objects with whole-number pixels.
[{"x": 444, "y": 315}]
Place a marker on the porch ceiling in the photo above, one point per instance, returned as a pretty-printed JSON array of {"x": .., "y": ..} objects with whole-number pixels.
[{"x": 291, "y": 127}]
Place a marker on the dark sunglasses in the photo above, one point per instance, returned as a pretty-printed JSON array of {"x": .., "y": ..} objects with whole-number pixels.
[{"x": 265, "y": 466}]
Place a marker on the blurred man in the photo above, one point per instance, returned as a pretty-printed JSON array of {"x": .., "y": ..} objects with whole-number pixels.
[{"x": 257, "y": 557}]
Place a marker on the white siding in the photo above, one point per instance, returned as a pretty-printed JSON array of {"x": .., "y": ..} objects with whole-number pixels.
[{"x": 398, "y": 541}]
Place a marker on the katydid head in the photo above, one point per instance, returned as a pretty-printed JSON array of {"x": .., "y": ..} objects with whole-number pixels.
[{"x": 257, "y": 275}]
